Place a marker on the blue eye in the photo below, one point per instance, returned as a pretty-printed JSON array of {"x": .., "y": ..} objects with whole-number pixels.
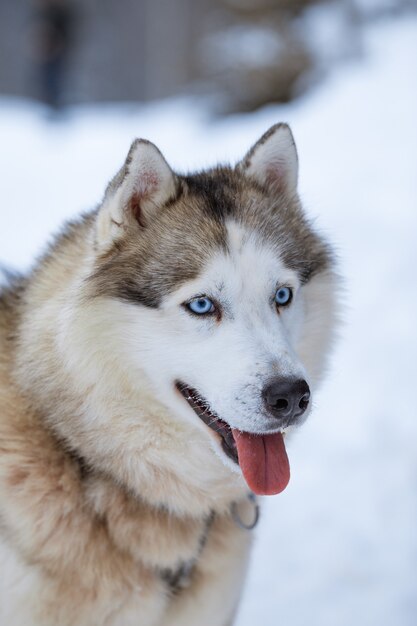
[
  {"x": 201, "y": 306},
  {"x": 283, "y": 296}
]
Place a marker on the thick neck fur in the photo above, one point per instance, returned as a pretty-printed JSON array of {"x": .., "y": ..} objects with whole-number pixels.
[{"x": 68, "y": 366}]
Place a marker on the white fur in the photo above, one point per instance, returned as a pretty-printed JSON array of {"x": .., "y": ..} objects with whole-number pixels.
[{"x": 17, "y": 589}]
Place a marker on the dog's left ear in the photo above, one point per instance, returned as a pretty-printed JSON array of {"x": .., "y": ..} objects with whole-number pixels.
[
  {"x": 273, "y": 159},
  {"x": 143, "y": 185}
]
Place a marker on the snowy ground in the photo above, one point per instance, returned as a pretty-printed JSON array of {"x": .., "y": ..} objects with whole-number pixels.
[{"x": 339, "y": 546}]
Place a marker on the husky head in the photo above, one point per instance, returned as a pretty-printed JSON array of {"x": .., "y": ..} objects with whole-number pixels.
[{"x": 221, "y": 296}]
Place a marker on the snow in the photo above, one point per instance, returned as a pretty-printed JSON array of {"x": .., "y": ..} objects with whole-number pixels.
[{"x": 339, "y": 546}]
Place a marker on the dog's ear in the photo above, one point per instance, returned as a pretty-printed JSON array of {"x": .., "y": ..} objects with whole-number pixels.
[
  {"x": 273, "y": 159},
  {"x": 143, "y": 185}
]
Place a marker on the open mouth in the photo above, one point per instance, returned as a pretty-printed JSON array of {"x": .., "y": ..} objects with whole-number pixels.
[
  {"x": 202, "y": 409},
  {"x": 262, "y": 457}
]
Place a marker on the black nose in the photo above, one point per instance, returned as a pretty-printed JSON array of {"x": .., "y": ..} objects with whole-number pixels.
[{"x": 286, "y": 399}]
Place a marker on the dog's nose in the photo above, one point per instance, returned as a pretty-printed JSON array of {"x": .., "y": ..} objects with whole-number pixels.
[{"x": 286, "y": 399}]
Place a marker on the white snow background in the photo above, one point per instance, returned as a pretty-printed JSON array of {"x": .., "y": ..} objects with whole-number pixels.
[{"x": 339, "y": 546}]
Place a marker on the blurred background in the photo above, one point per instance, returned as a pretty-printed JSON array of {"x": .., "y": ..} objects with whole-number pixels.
[
  {"x": 203, "y": 80},
  {"x": 246, "y": 52}
]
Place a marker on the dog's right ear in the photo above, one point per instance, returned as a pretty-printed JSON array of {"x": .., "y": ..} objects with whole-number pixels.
[{"x": 143, "y": 185}]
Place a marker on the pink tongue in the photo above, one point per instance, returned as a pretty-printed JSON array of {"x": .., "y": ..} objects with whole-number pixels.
[{"x": 263, "y": 461}]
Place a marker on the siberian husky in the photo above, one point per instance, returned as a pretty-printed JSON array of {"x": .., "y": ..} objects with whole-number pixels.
[{"x": 150, "y": 365}]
